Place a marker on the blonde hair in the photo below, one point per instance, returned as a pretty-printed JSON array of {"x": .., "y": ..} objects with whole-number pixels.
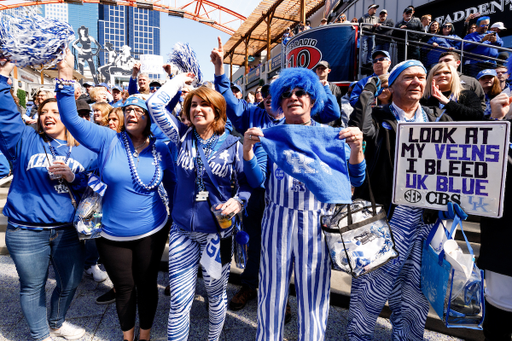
[
  {"x": 455, "y": 86},
  {"x": 120, "y": 117},
  {"x": 69, "y": 138},
  {"x": 105, "y": 108},
  {"x": 94, "y": 92}
]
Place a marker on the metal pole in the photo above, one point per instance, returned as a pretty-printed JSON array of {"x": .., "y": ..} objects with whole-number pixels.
[{"x": 406, "y": 35}]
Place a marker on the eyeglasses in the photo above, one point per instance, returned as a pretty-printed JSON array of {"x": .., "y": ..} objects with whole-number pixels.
[
  {"x": 484, "y": 25},
  {"x": 154, "y": 88},
  {"x": 138, "y": 111},
  {"x": 298, "y": 93},
  {"x": 447, "y": 26},
  {"x": 381, "y": 59}
]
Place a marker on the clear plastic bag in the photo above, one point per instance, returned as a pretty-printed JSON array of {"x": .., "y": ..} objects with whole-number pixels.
[
  {"x": 241, "y": 245},
  {"x": 88, "y": 215}
]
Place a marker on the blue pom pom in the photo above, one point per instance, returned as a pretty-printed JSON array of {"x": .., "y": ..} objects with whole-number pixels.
[
  {"x": 242, "y": 237},
  {"x": 29, "y": 39},
  {"x": 184, "y": 57}
]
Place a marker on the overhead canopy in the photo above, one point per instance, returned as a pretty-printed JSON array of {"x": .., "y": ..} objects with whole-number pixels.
[{"x": 283, "y": 14}]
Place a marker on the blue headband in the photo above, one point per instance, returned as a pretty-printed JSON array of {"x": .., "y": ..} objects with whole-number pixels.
[
  {"x": 482, "y": 19},
  {"x": 399, "y": 68}
]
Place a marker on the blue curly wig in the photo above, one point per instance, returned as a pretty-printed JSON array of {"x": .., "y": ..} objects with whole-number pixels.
[
  {"x": 509, "y": 67},
  {"x": 298, "y": 77}
]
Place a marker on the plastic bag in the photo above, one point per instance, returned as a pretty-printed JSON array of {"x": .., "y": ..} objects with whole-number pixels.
[{"x": 89, "y": 212}]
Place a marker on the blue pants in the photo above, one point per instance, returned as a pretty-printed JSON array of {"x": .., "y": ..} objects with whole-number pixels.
[
  {"x": 398, "y": 282},
  {"x": 185, "y": 250},
  {"x": 292, "y": 240},
  {"x": 367, "y": 44},
  {"x": 32, "y": 251}
]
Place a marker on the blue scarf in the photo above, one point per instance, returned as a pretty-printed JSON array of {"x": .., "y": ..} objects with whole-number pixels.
[{"x": 315, "y": 156}]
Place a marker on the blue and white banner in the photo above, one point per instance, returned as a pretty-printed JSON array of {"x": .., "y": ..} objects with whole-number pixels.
[
  {"x": 461, "y": 162},
  {"x": 334, "y": 43},
  {"x": 313, "y": 155}
]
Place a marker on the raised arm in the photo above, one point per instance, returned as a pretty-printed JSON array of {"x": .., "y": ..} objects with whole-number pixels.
[
  {"x": 11, "y": 124},
  {"x": 331, "y": 110},
  {"x": 157, "y": 103},
  {"x": 90, "y": 135}
]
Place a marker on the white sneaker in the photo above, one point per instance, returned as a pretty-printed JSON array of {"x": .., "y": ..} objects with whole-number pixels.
[
  {"x": 68, "y": 331},
  {"x": 96, "y": 273}
]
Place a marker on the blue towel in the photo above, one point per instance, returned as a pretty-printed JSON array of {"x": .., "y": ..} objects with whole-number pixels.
[{"x": 313, "y": 155}]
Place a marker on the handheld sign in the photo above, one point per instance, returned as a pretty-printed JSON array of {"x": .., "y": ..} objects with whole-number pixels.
[
  {"x": 151, "y": 63},
  {"x": 462, "y": 162}
]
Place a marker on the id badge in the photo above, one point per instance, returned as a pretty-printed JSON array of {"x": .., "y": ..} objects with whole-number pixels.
[{"x": 202, "y": 196}]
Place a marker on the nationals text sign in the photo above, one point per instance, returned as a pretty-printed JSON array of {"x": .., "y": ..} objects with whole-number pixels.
[{"x": 462, "y": 162}]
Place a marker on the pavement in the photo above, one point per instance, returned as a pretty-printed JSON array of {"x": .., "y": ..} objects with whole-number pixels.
[{"x": 101, "y": 323}]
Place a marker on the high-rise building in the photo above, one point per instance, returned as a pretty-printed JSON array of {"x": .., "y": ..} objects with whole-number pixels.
[{"x": 135, "y": 27}]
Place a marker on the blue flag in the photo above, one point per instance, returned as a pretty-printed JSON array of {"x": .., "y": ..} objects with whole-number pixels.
[{"x": 313, "y": 155}]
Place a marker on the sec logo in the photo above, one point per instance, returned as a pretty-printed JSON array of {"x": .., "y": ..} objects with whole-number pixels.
[
  {"x": 412, "y": 196},
  {"x": 303, "y": 56}
]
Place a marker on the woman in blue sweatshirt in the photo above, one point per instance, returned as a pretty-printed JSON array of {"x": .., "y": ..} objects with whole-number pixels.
[
  {"x": 40, "y": 211},
  {"x": 209, "y": 160},
  {"x": 134, "y": 167}
]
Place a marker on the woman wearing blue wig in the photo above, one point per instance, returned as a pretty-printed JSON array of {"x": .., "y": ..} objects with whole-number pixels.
[{"x": 292, "y": 239}]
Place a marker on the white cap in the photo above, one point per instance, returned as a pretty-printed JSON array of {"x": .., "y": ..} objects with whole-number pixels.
[{"x": 499, "y": 25}]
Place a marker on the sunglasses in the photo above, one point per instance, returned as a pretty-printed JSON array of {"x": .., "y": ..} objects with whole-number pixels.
[
  {"x": 298, "y": 93},
  {"x": 381, "y": 59},
  {"x": 484, "y": 25},
  {"x": 447, "y": 26},
  {"x": 154, "y": 88},
  {"x": 138, "y": 111}
]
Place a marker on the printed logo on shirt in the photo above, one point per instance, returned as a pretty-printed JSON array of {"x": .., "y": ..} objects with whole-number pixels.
[
  {"x": 41, "y": 161},
  {"x": 61, "y": 188},
  {"x": 299, "y": 162},
  {"x": 279, "y": 174},
  {"x": 158, "y": 159},
  {"x": 386, "y": 125},
  {"x": 185, "y": 160},
  {"x": 298, "y": 186}
]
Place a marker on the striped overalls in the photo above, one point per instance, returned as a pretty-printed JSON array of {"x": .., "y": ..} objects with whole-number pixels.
[{"x": 292, "y": 239}]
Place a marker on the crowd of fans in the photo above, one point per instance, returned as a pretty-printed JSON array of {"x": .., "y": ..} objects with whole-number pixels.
[{"x": 154, "y": 144}]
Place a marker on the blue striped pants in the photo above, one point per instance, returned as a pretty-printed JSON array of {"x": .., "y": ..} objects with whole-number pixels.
[
  {"x": 397, "y": 282},
  {"x": 293, "y": 240},
  {"x": 185, "y": 250}
]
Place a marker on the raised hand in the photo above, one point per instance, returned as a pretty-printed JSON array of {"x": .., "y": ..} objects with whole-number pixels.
[
  {"x": 65, "y": 66},
  {"x": 217, "y": 58},
  {"x": 136, "y": 69}
]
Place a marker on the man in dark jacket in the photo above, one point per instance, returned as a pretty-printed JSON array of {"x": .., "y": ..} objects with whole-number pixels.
[
  {"x": 409, "y": 22},
  {"x": 368, "y": 39},
  {"x": 382, "y": 43},
  {"x": 393, "y": 282}
]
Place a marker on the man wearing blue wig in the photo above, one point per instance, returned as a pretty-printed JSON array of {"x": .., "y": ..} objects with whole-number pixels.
[
  {"x": 245, "y": 115},
  {"x": 397, "y": 282},
  {"x": 292, "y": 239},
  {"x": 488, "y": 53}
]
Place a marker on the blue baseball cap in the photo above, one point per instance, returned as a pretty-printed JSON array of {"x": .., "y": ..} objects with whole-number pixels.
[
  {"x": 118, "y": 88},
  {"x": 132, "y": 100},
  {"x": 103, "y": 85},
  {"x": 89, "y": 84},
  {"x": 488, "y": 72},
  {"x": 376, "y": 53},
  {"x": 233, "y": 85}
]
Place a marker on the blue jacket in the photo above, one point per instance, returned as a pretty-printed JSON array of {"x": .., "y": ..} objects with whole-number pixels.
[
  {"x": 225, "y": 163},
  {"x": 128, "y": 211},
  {"x": 482, "y": 50},
  {"x": 34, "y": 199},
  {"x": 443, "y": 41},
  {"x": 358, "y": 88},
  {"x": 244, "y": 115}
]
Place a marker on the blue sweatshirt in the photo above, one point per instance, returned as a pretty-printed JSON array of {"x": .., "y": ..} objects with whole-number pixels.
[
  {"x": 358, "y": 88},
  {"x": 129, "y": 212},
  {"x": 443, "y": 41},
  {"x": 225, "y": 162},
  {"x": 487, "y": 50},
  {"x": 244, "y": 115},
  {"x": 34, "y": 199}
]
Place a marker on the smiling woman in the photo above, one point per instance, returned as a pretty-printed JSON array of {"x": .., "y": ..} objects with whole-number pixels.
[
  {"x": 134, "y": 206},
  {"x": 40, "y": 211}
]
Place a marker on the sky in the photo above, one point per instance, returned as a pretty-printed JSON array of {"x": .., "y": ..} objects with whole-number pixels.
[{"x": 202, "y": 38}]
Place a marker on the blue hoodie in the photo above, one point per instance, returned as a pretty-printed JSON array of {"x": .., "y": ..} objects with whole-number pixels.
[
  {"x": 226, "y": 161},
  {"x": 129, "y": 212},
  {"x": 34, "y": 199},
  {"x": 487, "y": 50},
  {"x": 244, "y": 115}
]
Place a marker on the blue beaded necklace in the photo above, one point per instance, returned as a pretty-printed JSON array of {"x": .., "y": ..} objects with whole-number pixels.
[{"x": 157, "y": 177}]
